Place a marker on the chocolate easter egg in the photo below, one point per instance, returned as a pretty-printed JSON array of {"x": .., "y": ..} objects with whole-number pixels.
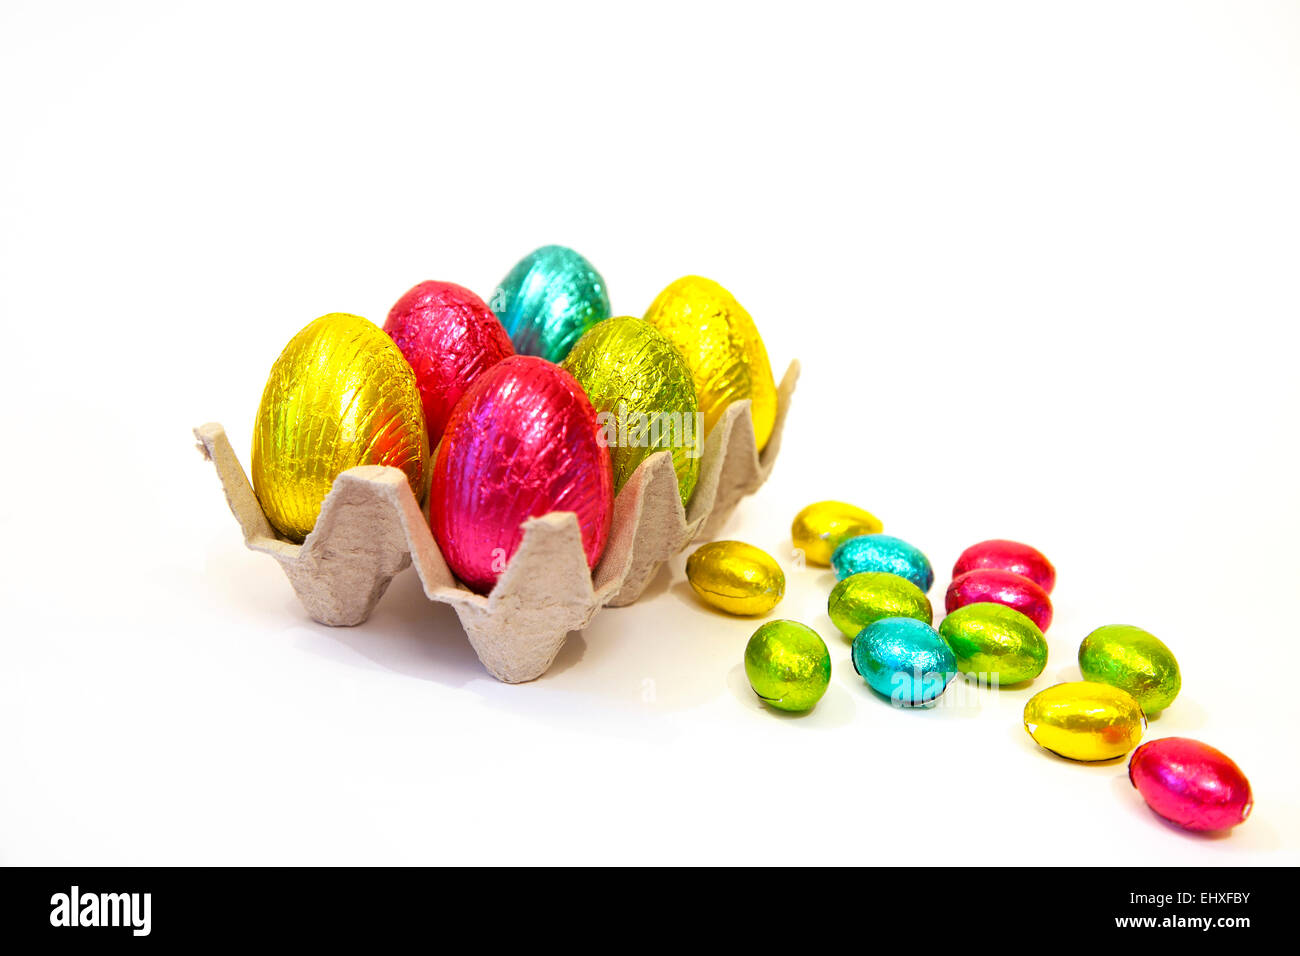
[
  {"x": 644, "y": 397},
  {"x": 548, "y": 300},
  {"x": 450, "y": 337},
  {"x": 1134, "y": 660},
  {"x": 1010, "y": 556},
  {"x": 722, "y": 348},
  {"x": 522, "y": 442},
  {"x": 1191, "y": 784},
  {"x": 882, "y": 552},
  {"x": 339, "y": 395}
]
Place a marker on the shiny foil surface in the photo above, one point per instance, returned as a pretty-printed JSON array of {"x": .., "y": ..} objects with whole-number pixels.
[
  {"x": 862, "y": 599},
  {"x": 882, "y": 552},
  {"x": 722, "y": 348},
  {"x": 1001, "y": 587},
  {"x": 521, "y": 443},
  {"x": 788, "y": 665},
  {"x": 736, "y": 577},
  {"x": 339, "y": 395},
  {"x": 1191, "y": 784},
  {"x": 548, "y": 300},
  {"x": 450, "y": 337},
  {"x": 1085, "y": 721},
  {"x": 905, "y": 660},
  {"x": 995, "y": 641},
  {"x": 1133, "y": 660},
  {"x": 1010, "y": 556},
  {"x": 644, "y": 397},
  {"x": 821, "y": 527}
]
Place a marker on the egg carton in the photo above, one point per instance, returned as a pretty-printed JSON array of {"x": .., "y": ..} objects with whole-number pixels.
[{"x": 371, "y": 527}]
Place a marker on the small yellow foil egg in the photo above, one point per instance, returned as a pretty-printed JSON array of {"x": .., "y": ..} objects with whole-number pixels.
[
  {"x": 1083, "y": 720},
  {"x": 340, "y": 395},
  {"x": 821, "y": 527},
  {"x": 722, "y": 348},
  {"x": 736, "y": 577}
]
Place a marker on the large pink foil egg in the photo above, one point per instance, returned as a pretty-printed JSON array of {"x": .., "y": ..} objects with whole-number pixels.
[
  {"x": 1008, "y": 556},
  {"x": 1001, "y": 587},
  {"x": 449, "y": 337},
  {"x": 522, "y": 442},
  {"x": 1190, "y": 783}
]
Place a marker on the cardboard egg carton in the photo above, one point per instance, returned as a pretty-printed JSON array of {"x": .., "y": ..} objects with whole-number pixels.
[{"x": 371, "y": 527}]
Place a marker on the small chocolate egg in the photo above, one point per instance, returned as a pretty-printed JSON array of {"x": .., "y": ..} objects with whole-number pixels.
[
  {"x": 882, "y": 552},
  {"x": 736, "y": 577},
  {"x": 548, "y": 300},
  {"x": 339, "y": 395},
  {"x": 821, "y": 527},
  {"x": 1191, "y": 784},
  {"x": 905, "y": 660},
  {"x": 870, "y": 596},
  {"x": 1133, "y": 660},
  {"x": 450, "y": 337},
  {"x": 1001, "y": 587},
  {"x": 995, "y": 641},
  {"x": 644, "y": 397},
  {"x": 1008, "y": 556},
  {"x": 1083, "y": 720},
  {"x": 522, "y": 442},
  {"x": 788, "y": 665},
  {"x": 722, "y": 348}
]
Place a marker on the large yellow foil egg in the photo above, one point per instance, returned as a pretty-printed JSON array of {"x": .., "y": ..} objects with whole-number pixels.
[
  {"x": 339, "y": 395},
  {"x": 722, "y": 348},
  {"x": 1083, "y": 720}
]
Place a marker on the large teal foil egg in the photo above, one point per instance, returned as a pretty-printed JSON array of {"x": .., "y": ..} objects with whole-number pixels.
[
  {"x": 905, "y": 660},
  {"x": 882, "y": 552},
  {"x": 549, "y": 299}
]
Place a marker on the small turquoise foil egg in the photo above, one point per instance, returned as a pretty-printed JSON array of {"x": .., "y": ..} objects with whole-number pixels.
[
  {"x": 883, "y": 552},
  {"x": 549, "y": 299},
  {"x": 905, "y": 660}
]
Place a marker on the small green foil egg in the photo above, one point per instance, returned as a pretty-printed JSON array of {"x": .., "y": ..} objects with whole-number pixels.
[
  {"x": 736, "y": 577},
  {"x": 869, "y": 596},
  {"x": 1133, "y": 660},
  {"x": 995, "y": 641},
  {"x": 788, "y": 665},
  {"x": 644, "y": 396}
]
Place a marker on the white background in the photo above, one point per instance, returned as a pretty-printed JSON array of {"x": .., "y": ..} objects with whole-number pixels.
[{"x": 1039, "y": 262}]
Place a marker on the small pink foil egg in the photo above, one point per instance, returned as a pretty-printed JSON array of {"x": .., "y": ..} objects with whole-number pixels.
[
  {"x": 449, "y": 337},
  {"x": 521, "y": 443},
  {"x": 1001, "y": 587},
  {"x": 1008, "y": 556},
  {"x": 1190, "y": 783}
]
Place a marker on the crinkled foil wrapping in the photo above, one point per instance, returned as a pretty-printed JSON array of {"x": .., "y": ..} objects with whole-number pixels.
[
  {"x": 722, "y": 348},
  {"x": 450, "y": 337},
  {"x": 1191, "y": 784},
  {"x": 522, "y": 442},
  {"x": 548, "y": 300},
  {"x": 644, "y": 397},
  {"x": 1083, "y": 720},
  {"x": 339, "y": 395}
]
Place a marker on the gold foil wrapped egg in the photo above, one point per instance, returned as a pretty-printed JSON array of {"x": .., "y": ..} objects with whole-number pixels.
[
  {"x": 643, "y": 395},
  {"x": 722, "y": 348},
  {"x": 821, "y": 527},
  {"x": 736, "y": 577},
  {"x": 339, "y": 395},
  {"x": 1083, "y": 720}
]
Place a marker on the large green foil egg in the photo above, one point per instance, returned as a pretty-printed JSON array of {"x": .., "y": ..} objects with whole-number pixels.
[
  {"x": 870, "y": 596},
  {"x": 788, "y": 665},
  {"x": 644, "y": 396},
  {"x": 1133, "y": 660},
  {"x": 995, "y": 641}
]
